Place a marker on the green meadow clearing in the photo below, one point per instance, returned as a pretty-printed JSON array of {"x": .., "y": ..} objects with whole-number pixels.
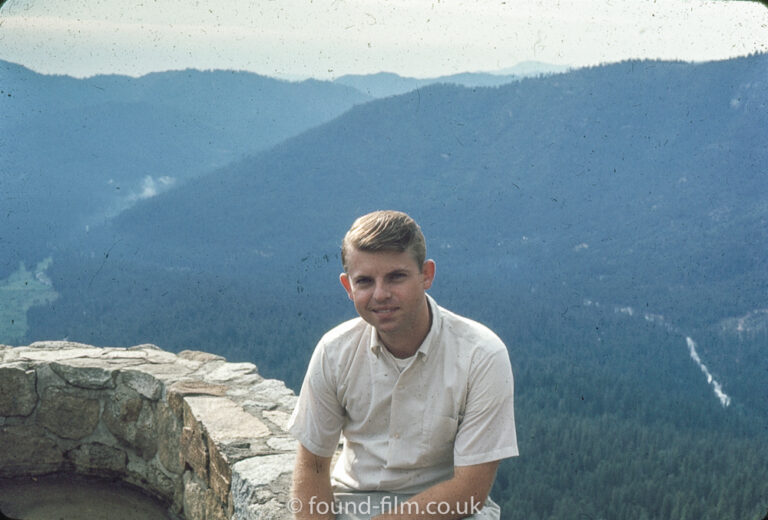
[{"x": 21, "y": 290}]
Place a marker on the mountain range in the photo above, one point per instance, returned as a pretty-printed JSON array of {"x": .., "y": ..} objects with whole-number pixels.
[
  {"x": 87, "y": 149},
  {"x": 386, "y": 84},
  {"x": 608, "y": 222},
  {"x": 608, "y": 180}
]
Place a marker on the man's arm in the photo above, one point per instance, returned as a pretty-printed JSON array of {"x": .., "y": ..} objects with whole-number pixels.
[
  {"x": 459, "y": 497},
  {"x": 312, "y": 493}
]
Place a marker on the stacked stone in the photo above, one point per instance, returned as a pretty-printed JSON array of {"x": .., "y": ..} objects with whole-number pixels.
[{"x": 204, "y": 435}]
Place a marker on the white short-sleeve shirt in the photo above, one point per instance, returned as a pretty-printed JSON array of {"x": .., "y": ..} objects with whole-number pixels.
[{"x": 404, "y": 429}]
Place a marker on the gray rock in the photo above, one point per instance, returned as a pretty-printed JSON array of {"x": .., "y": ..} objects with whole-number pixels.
[
  {"x": 283, "y": 444},
  {"x": 98, "y": 458},
  {"x": 196, "y": 355},
  {"x": 57, "y": 351},
  {"x": 273, "y": 509},
  {"x": 194, "y": 497},
  {"x": 267, "y": 394},
  {"x": 145, "y": 384},
  {"x": 68, "y": 413},
  {"x": 225, "y": 421},
  {"x": 278, "y": 418},
  {"x": 25, "y": 450},
  {"x": 17, "y": 391},
  {"x": 251, "y": 491},
  {"x": 242, "y": 373},
  {"x": 169, "y": 429},
  {"x": 85, "y": 373},
  {"x": 131, "y": 419}
]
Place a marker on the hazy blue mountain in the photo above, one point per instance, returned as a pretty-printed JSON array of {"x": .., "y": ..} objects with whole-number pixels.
[
  {"x": 609, "y": 223},
  {"x": 78, "y": 151},
  {"x": 384, "y": 84},
  {"x": 604, "y": 176},
  {"x": 532, "y": 68}
]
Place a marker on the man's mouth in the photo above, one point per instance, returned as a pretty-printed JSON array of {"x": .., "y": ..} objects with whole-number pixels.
[{"x": 384, "y": 310}]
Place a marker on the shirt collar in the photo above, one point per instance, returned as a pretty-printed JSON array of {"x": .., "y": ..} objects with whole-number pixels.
[{"x": 423, "y": 351}]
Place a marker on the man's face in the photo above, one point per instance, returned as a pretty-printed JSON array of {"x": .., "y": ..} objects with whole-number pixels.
[{"x": 387, "y": 289}]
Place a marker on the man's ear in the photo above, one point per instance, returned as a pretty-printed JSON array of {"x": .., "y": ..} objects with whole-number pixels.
[
  {"x": 428, "y": 273},
  {"x": 347, "y": 284}
]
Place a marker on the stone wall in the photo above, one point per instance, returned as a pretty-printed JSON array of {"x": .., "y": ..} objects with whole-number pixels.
[{"x": 205, "y": 436}]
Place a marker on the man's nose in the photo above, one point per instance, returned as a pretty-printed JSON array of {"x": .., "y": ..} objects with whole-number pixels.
[{"x": 381, "y": 292}]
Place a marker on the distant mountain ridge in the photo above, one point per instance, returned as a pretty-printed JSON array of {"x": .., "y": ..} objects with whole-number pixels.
[{"x": 385, "y": 84}]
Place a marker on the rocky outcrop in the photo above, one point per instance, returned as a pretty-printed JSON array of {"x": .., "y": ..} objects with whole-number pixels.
[{"x": 205, "y": 436}]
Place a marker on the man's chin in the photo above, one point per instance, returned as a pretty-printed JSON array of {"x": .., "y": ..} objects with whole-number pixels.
[{"x": 382, "y": 323}]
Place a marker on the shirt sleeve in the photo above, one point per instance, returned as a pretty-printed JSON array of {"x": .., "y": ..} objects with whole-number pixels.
[
  {"x": 487, "y": 431},
  {"x": 318, "y": 417}
]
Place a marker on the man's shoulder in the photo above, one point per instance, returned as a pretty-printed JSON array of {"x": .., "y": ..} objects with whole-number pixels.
[
  {"x": 344, "y": 344},
  {"x": 345, "y": 333},
  {"x": 470, "y": 332}
]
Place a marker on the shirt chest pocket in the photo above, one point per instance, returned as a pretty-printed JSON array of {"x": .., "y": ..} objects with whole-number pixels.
[{"x": 438, "y": 434}]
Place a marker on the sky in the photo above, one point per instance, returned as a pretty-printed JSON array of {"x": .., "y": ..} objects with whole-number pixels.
[{"x": 324, "y": 39}]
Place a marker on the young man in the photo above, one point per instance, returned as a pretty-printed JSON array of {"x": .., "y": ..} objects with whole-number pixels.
[{"x": 422, "y": 397}]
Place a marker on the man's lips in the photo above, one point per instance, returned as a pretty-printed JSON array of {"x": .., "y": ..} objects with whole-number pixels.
[{"x": 384, "y": 310}]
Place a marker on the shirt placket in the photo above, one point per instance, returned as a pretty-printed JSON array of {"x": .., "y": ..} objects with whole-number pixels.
[{"x": 405, "y": 414}]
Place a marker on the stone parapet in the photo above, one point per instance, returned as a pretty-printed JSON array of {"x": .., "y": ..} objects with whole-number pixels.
[{"x": 205, "y": 436}]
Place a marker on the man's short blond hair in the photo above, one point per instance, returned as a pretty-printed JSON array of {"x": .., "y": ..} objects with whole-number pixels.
[{"x": 385, "y": 230}]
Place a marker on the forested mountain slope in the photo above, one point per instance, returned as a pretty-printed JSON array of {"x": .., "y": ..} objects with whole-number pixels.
[
  {"x": 598, "y": 220},
  {"x": 641, "y": 182}
]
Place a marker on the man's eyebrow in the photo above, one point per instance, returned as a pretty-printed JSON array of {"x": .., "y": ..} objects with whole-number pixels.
[{"x": 394, "y": 272}]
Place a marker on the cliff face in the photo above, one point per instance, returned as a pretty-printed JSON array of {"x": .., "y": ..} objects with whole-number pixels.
[{"x": 205, "y": 436}]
